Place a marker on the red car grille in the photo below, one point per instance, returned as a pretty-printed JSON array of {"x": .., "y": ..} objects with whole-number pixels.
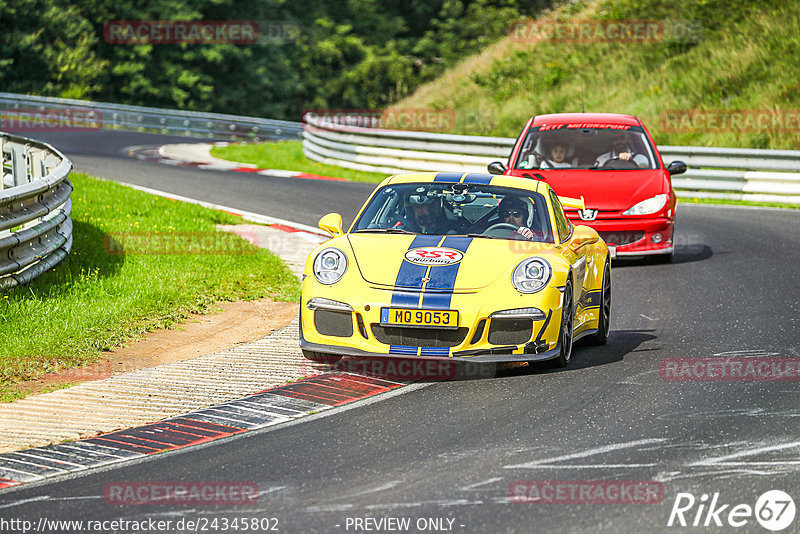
[{"x": 621, "y": 238}]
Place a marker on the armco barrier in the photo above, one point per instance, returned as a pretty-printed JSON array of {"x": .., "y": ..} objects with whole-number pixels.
[
  {"x": 35, "y": 228},
  {"x": 726, "y": 173},
  {"x": 42, "y": 113}
]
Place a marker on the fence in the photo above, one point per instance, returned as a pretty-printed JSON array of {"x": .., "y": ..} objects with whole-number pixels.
[
  {"x": 35, "y": 227},
  {"x": 97, "y": 115},
  {"x": 723, "y": 173}
]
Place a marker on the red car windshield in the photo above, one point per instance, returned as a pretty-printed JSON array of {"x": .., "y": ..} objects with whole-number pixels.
[{"x": 578, "y": 146}]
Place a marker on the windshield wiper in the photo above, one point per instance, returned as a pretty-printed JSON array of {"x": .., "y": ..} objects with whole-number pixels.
[
  {"x": 384, "y": 230},
  {"x": 486, "y": 236}
]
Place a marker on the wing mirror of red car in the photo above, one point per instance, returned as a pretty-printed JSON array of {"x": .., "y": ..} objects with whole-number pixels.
[
  {"x": 496, "y": 167},
  {"x": 676, "y": 167}
]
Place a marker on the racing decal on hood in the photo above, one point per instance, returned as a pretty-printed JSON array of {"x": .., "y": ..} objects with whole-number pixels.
[
  {"x": 410, "y": 275},
  {"x": 434, "y": 256},
  {"x": 441, "y": 278}
]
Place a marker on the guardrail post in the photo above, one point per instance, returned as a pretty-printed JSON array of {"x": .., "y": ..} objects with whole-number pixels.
[
  {"x": 19, "y": 167},
  {"x": 37, "y": 167}
]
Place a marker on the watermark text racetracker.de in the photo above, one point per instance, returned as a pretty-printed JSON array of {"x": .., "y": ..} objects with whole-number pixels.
[
  {"x": 54, "y": 119},
  {"x": 239, "y": 32},
  {"x": 730, "y": 369},
  {"x": 414, "y": 119},
  {"x": 729, "y": 120},
  {"x": 586, "y": 491},
  {"x": 176, "y": 243},
  {"x": 604, "y": 31},
  {"x": 416, "y": 368}
]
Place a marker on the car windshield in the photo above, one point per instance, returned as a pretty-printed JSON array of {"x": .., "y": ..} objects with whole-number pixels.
[
  {"x": 474, "y": 210},
  {"x": 586, "y": 146}
]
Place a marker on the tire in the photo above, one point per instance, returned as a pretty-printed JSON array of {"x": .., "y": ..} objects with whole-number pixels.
[
  {"x": 320, "y": 357},
  {"x": 601, "y": 337},
  {"x": 566, "y": 331}
]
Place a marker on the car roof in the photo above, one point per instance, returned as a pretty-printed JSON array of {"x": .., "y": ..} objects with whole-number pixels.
[
  {"x": 585, "y": 118},
  {"x": 498, "y": 180}
]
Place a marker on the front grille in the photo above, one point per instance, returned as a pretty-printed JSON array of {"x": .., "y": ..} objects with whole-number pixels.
[
  {"x": 510, "y": 331},
  {"x": 621, "y": 238},
  {"x": 333, "y": 323},
  {"x": 418, "y": 337}
]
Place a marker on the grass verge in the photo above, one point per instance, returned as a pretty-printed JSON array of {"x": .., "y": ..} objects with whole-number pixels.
[
  {"x": 732, "y": 202},
  {"x": 288, "y": 155},
  {"x": 714, "y": 57},
  {"x": 109, "y": 291}
]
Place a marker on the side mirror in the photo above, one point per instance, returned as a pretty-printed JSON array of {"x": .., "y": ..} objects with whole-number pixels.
[
  {"x": 496, "y": 167},
  {"x": 676, "y": 167},
  {"x": 583, "y": 235},
  {"x": 331, "y": 223}
]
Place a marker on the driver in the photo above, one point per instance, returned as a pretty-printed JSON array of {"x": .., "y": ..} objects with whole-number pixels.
[
  {"x": 514, "y": 211},
  {"x": 425, "y": 213},
  {"x": 621, "y": 149}
]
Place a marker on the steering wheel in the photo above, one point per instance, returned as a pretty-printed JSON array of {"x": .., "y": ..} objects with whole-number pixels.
[
  {"x": 615, "y": 163},
  {"x": 500, "y": 226}
]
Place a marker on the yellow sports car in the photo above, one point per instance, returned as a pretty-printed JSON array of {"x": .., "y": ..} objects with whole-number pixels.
[{"x": 472, "y": 267}]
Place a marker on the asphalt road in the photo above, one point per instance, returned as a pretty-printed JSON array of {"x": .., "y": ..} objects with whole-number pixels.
[
  {"x": 304, "y": 201},
  {"x": 449, "y": 451}
]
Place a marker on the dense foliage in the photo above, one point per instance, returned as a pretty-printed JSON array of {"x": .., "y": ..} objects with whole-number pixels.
[
  {"x": 347, "y": 53},
  {"x": 724, "y": 73}
]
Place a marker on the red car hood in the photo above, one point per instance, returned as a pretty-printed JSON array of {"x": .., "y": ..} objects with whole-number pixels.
[{"x": 604, "y": 190}]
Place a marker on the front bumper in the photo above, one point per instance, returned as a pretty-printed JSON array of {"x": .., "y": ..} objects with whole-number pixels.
[
  {"x": 478, "y": 338},
  {"x": 633, "y": 236}
]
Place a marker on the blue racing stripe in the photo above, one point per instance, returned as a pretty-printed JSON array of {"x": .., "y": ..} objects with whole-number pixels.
[
  {"x": 443, "y": 279},
  {"x": 402, "y": 349},
  {"x": 410, "y": 275},
  {"x": 477, "y": 178},
  {"x": 448, "y": 177},
  {"x": 435, "y": 351}
]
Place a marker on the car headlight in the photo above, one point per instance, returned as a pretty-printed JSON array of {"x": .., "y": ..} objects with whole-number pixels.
[
  {"x": 531, "y": 275},
  {"x": 646, "y": 207},
  {"x": 329, "y": 266}
]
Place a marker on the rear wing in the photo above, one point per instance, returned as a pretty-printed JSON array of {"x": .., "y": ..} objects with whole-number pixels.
[{"x": 576, "y": 203}]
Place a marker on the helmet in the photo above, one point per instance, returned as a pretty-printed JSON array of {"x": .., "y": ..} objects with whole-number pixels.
[
  {"x": 424, "y": 196},
  {"x": 516, "y": 203}
]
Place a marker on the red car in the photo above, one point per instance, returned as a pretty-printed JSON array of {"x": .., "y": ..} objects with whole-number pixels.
[{"x": 612, "y": 162}]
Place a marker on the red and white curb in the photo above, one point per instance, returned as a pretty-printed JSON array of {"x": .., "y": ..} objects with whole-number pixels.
[
  {"x": 271, "y": 407},
  {"x": 197, "y": 155}
]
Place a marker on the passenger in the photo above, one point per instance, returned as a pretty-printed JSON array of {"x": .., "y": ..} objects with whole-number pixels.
[{"x": 558, "y": 157}]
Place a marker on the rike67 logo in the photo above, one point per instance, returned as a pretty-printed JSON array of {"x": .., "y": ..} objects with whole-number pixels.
[{"x": 774, "y": 510}]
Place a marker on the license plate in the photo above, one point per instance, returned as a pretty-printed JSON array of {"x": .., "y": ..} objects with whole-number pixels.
[
  {"x": 433, "y": 318},
  {"x": 612, "y": 251}
]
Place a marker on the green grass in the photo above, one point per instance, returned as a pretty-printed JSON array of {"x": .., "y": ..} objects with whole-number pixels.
[
  {"x": 99, "y": 298},
  {"x": 740, "y": 55},
  {"x": 288, "y": 155},
  {"x": 732, "y": 202}
]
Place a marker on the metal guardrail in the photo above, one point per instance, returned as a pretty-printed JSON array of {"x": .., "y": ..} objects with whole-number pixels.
[
  {"x": 35, "y": 228},
  {"x": 724, "y": 173},
  {"x": 46, "y": 111}
]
